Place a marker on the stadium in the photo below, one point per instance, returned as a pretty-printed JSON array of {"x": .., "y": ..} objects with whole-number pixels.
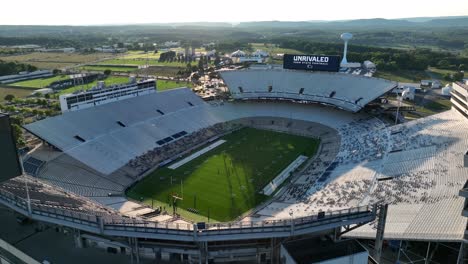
[{"x": 291, "y": 156}]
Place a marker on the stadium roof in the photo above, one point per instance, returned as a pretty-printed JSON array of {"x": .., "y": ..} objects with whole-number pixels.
[
  {"x": 106, "y": 137},
  {"x": 346, "y": 91},
  {"x": 415, "y": 166}
]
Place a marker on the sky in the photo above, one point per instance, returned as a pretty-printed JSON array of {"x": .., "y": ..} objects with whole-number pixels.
[{"x": 92, "y": 12}]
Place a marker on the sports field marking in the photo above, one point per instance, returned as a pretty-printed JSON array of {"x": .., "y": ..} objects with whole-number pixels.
[
  {"x": 196, "y": 154},
  {"x": 278, "y": 180}
]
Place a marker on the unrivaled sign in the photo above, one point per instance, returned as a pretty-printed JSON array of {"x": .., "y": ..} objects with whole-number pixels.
[{"x": 311, "y": 62}]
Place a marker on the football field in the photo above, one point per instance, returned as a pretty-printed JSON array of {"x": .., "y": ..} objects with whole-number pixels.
[{"x": 225, "y": 182}]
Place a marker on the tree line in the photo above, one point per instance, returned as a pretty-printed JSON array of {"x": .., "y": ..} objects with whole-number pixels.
[
  {"x": 9, "y": 68},
  {"x": 385, "y": 58}
]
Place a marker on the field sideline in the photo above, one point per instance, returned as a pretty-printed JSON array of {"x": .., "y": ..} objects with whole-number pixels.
[{"x": 225, "y": 182}]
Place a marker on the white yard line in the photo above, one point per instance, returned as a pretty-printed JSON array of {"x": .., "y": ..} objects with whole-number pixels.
[
  {"x": 196, "y": 154},
  {"x": 278, "y": 180}
]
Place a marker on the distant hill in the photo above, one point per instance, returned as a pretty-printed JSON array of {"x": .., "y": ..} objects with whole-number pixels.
[
  {"x": 426, "y": 19},
  {"x": 461, "y": 21}
]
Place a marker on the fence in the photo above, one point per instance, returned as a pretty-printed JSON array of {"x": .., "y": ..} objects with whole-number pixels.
[{"x": 103, "y": 223}]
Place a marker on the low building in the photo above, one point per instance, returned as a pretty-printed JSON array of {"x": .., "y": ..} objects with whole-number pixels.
[
  {"x": 369, "y": 65},
  {"x": 64, "y": 50},
  {"x": 44, "y": 91},
  {"x": 436, "y": 84},
  {"x": 350, "y": 65},
  {"x": 238, "y": 54},
  {"x": 211, "y": 53},
  {"x": 23, "y": 76},
  {"x": 109, "y": 49},
  {"x": 426, "y": 83},
  {"x": 260, "y": 53},
  {"x": 447, "y": 90},
  {"x": 256, "y": 59}
]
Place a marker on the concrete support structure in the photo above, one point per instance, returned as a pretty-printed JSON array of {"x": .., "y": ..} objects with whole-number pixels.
[{"x": 380, "y": 231}]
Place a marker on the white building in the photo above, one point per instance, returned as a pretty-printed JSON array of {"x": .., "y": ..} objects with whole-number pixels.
[
  {"x": 64, "y": 50},
  {"x": 260, "y": 53},
  {"x": 237, "y": 54},
  {"x": 369, "y": 65},
  {"x": 172, "y": 44},
  {"x": 44, "y": 91},
  {"x": 256, "y": 59},
  {"x": 108, "y": 49},
  {"x": 210, "y": 53},
  {"x": 102, "y": 95},
  {"x": 447, "y": 90}
]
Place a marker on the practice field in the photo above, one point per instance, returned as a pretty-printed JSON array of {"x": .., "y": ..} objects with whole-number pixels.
[
  {"x": 52, "y": 60},
  {"x": 110, "y": 80},
  {"x": 224, "y": 183},
  {"x": 17, "y": 92},
  {"x": 167, "y": 85},
  {"x": 41, "y": 82}
]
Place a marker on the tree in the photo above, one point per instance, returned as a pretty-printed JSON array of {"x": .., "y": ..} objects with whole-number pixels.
[
  {"x": 200, "y": 64},
  {"x": 107, "y": 72},
  {"x": 18, "y": 134},
  {"x": 9, "y": 97},
  {"x": 458, "y": 76},
  {"x": 56, "y": 71},
  {"x": 196, "y": 76},
  {"x": 217, "y": 60},
  {"x": 448, "y": 77}
]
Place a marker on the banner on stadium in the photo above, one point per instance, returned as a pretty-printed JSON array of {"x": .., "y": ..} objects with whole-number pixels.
[{"x": 311, "y": 62}]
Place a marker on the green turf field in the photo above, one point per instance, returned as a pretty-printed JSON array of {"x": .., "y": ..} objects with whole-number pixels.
[
  {"x": 110, "y": 80},
  {"x": 40, "y": 82},
  {"x": 225, "y": 182},
  {"x": 167, "y": 85}
]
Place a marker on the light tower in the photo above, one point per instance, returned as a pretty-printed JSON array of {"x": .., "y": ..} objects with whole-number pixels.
[{"x": 345, "y": 37}]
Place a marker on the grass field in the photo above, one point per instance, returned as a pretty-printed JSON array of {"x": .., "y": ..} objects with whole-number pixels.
[
  {"x": 167, "y": 85},
  {"x": 45, "y": 60},
  {"x": 137, "y": 62},
  {"x": 402, "y": 76},
  {"x": 225, "y": 182},
  {"x": 161, "y": 71},
  {"x": 40, "y": 83},
  {"x": 140, "y": 58},
  {"x": 108, "y": 81},
  {"x": 17, "y": 92}
]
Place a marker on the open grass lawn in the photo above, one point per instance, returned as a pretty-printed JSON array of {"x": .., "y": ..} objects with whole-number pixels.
[
  {"x": 139, "y": 58},
  {"x": 166, "y": 71},
  {"x": 438, "y": 105},
  {"x": 273, "y": 49},
  {"x": 108, "y": 81},
  {"x": 46, "y": 60},
  {"x": 167, "y": 85},
  {"x": 152, "y": 62},
  {"x": 225, "y": 182},
  {"x": 17, "y": 92},
  {"x": 41, "y": 82},
  {"x": 402, "y": 76}
]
